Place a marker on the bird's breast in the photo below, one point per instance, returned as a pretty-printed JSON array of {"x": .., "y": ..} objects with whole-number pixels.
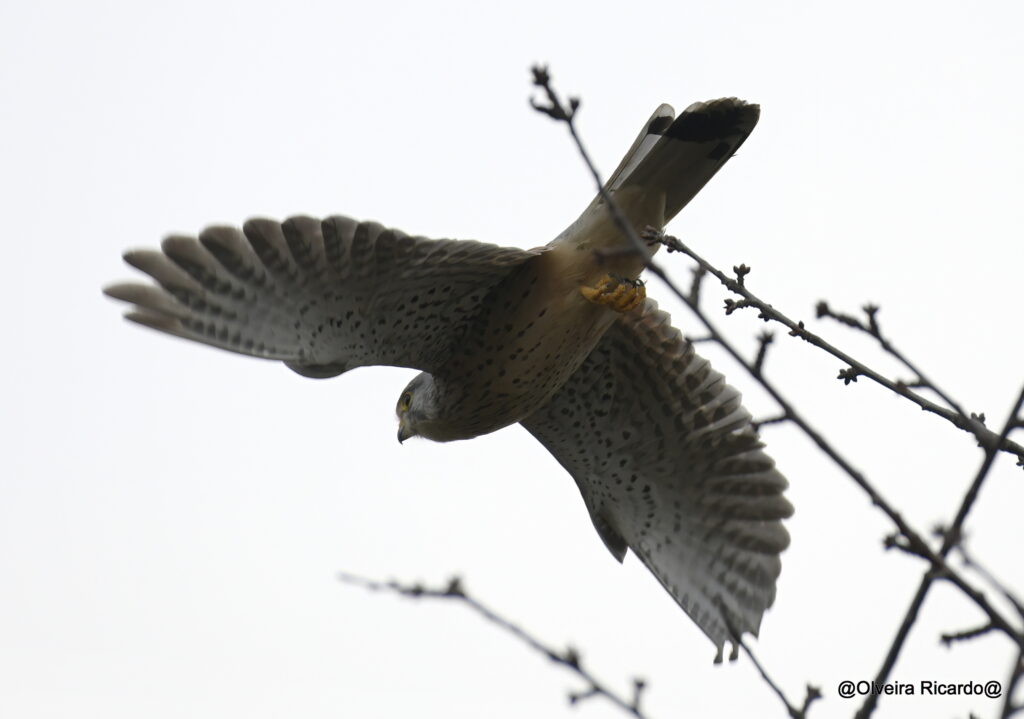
[{"x": 534, "y": 331}]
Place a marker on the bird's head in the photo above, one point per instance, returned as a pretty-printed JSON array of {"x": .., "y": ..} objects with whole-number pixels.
[{"x": 417, "y": 408}]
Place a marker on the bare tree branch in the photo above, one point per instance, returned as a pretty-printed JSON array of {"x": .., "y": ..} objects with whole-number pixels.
[
  {"x": 874, "y": 329},
  {"x": 951, "y": 538},
  {"x": 966, "y": 634},
  {"x": 916, "y": 542},
  {"x": 968, "y": 423},
  {"x": 1016, "y": 679},
  {"x": 812, "y": 694},
  {"x": 764, "y": 339},
  {"x": 569, "y": 658},
  {"x": 908, "y": 539},
  {"x": 566, "y": 112},
  {"x": 970, "y": 561}
]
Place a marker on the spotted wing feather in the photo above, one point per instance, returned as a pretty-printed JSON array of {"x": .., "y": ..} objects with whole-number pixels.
[
  {"x": 669, "y": 466},
  {"x": 322, "y": 297}
]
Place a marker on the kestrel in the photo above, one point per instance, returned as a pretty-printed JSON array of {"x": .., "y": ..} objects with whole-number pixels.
[{"x": 559, "y": 338}]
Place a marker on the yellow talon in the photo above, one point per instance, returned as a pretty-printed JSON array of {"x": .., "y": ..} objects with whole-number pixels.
[{"x": 619, "y": 293}]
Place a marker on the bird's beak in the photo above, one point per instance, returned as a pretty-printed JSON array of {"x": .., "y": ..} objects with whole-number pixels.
[{"x": 403, "y": 432}]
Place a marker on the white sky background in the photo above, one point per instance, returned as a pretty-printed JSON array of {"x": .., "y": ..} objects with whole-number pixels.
[{"x": 172, "y": 517}]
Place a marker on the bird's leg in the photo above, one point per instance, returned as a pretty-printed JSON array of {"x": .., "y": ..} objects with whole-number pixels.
[{"x": 620, "y": 293}]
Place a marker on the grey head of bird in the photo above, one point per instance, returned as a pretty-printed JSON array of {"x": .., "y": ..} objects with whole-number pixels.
[{"x": 417, "y": 410}]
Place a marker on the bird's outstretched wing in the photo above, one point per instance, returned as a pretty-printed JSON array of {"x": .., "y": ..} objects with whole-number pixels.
[
  {"x": 322, "y": 297},
  {"x": 670, "y": 467}
]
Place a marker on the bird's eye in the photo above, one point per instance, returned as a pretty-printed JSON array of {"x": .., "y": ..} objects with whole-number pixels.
[{"x": 406, "y": 400}]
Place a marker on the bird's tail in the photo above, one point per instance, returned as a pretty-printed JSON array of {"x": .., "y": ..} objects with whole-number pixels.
[{"x": 677, "y": 156}]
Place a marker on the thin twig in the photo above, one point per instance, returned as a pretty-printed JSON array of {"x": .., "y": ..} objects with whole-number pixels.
[
  {"x": 699, "y": 273},
  {"x": 813, "y": 693},
  {"x": 1017, "y": 670},
  {"x": 568, "y": 658},
  {"x": 973, "y": 564},
  {"x": 558, "y": 110},
  {"x": 951, "y": 537},
  {"x": 763, "y": 340},
  {"x": 915, "y": 540},
  {"x": 1015, "y": 680},
  {"x": 856, "y": 368},
  {"x": 757, "y": 424},
  {"x": 874, "y": 329},
  {"x": 964, "y": 635}
]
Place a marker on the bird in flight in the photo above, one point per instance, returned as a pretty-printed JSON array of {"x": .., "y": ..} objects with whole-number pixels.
[{"x": 560, "y": 338}]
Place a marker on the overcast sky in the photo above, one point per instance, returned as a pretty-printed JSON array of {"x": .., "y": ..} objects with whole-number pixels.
[{"x": 172, "y": 518}]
